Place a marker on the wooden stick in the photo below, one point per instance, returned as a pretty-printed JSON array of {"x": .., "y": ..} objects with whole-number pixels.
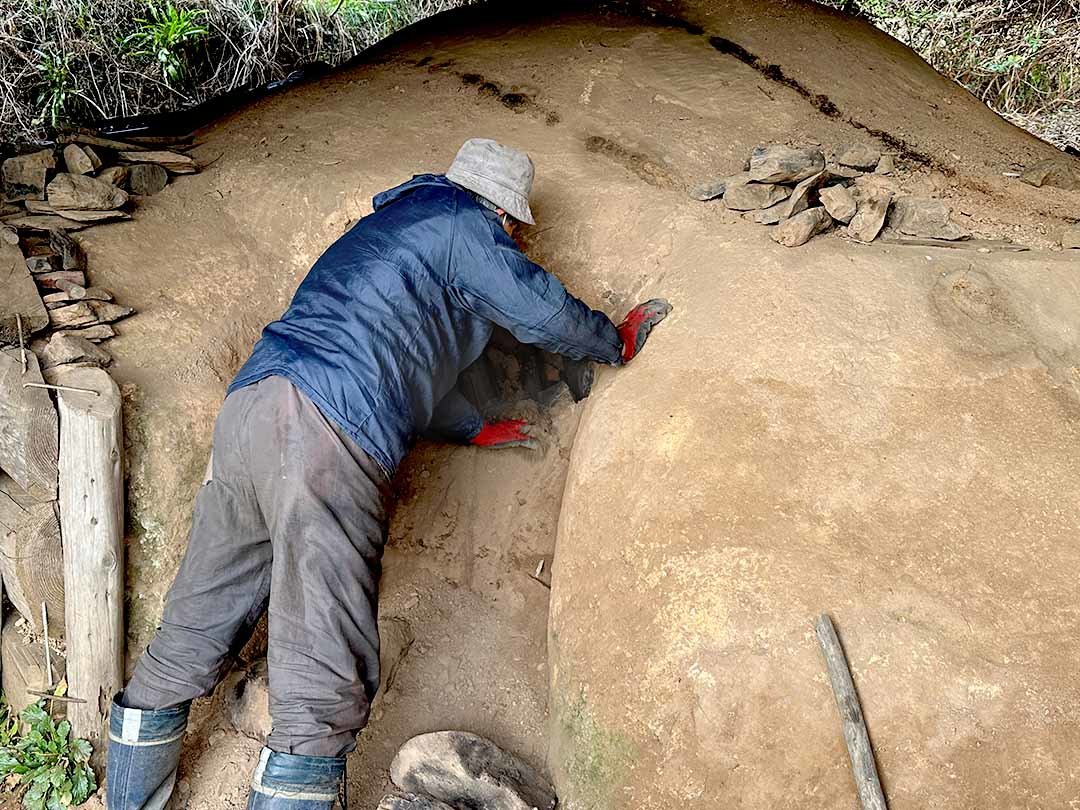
[
  {"x": 22, "y": 343},
  {"x": 62, "y": 388},
  {"x": 92, "y": 525},
  {"x": 48, "y": 653},
  {"x": 851, "y": 717},
  {"x": 51, "y": 696}
]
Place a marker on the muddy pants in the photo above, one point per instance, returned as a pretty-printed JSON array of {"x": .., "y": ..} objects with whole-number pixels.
[{"x": 293, "y": 520}]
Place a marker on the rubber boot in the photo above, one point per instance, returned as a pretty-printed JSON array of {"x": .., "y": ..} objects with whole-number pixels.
[
  {"x": 144, "y": 751},
  {"x": 294, "y": 782}
]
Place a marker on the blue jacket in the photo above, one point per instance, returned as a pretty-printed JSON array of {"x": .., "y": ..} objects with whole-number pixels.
[{"x": 395, "y": 309}]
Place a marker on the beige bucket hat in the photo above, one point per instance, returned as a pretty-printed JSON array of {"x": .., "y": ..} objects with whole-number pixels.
[{"x": 500, "y": 174}]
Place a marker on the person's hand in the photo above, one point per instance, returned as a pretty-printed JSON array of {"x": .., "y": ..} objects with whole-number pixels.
[
  {"x": 638, "y": 323},
  {"x": 508, "y": 433}
]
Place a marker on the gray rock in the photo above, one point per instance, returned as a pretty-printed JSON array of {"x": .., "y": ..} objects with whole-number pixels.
[
  {"x": 800, "y": 200},
  {"x": 1056, "y": 172},
  {"x": 859, "y": 156},
  {"x": 76, "y": 160},
  {"x": 771, "y": 215},
  {"x": 146, "y": 179},
  {"x": 802, "y": 227},
  {"x": 870, "y": 216},
  {"x": 25, "y": 175},
  {"x": 710, "y": 190},
  {"x": 76, "y": 192},
  {"x": 1070, "y": 238},
  {"x": 63, "y": 349},
  {"x": 838, "y": 172},
  {"x": 927, "y": 218},
  {"x": 887, "y": 165},
  {"x": 742, "y": 195},
  {"x": 411, "y": 802},
  {"x": 839, "y": 202},
  {"x": 468, "y": 772},
  {"x": 777, "y": 163}
]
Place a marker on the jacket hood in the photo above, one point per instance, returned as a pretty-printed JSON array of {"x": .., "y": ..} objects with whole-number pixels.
[{"x": 384, "y": 198}]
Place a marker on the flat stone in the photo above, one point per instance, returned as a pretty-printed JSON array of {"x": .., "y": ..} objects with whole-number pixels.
[
  {"x": 78, "y": 193},
  {"x": 801, "y": 228},
  {"x": 48, "y": 263},
  {"x": 771, "y": 215},
  {"x": 76, "y": 160},
  {"x": 742, "y": 195},
  {"x": 859, "y": 156},
  {"x": 873, "y": 205},
  {"x": 146, "y": 179},
  {"x": 411, "y": 801},
  {"x": 886, "y": 166},
  {"x": 117, "y": 175},
  {"x": 709, "y": 190},
  {"x": 1057, "y": 172},
  {"x": 468, "y": 771},
  {"x": 1070, "y": 238},
  {"x": 799, "y": 200},
  {"x": 839, "y": 202},
  {"x": 777, "y": 163},
  {"x": 62, "y": 349},
  {"x": 839, "y": 172},
  {"x": 922, "y": 217},
  {"x": 19, "y": 298},
  {"x": 25, "y": 175}
]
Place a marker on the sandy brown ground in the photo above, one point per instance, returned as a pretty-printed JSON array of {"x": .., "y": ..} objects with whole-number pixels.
[{"x": 622, "y": 114}]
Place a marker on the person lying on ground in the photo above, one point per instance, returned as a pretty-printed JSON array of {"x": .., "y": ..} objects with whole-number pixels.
[{"x": 292, "y": 517}]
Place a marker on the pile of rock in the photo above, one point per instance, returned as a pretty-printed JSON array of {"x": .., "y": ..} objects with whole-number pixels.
[{"x": 802, "y": 194}]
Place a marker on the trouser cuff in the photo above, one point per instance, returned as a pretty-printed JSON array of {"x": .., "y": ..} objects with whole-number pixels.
[{"x": 293, "y": 780}]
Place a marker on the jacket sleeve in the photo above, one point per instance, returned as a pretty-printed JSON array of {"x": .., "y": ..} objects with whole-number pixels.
[
  {"x": 495, "y": 280},
  {"x": 455, "y": 419}
]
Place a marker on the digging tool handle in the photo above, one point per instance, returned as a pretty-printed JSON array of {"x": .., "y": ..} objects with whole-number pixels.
[{"x": 851, "y": 716}]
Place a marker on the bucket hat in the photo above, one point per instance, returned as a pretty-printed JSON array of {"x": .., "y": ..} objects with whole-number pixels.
[{"x": 499, "y": 174}]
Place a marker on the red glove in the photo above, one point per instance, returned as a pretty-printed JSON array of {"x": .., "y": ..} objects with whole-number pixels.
[
  {"x": 638, "y": 323},
  {"x": 509, "y": 433}
]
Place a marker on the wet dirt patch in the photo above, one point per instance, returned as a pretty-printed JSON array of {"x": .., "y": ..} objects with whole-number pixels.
[
  {"x": 638, "y": 163},
  {"x": 512, "y": 100}
]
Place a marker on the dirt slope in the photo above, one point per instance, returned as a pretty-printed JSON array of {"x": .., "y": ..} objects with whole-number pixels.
[{"x": 622, "y": 114}]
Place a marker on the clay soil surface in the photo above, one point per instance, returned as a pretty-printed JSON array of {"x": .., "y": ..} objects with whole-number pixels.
[{"x": 623, "y": 113}]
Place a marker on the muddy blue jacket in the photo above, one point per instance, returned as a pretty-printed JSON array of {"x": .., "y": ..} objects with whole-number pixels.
[{"x": 399, "y": 306}]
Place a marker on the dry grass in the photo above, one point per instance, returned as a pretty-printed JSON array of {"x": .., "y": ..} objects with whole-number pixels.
[
  {"x": 67, "y": 61},
  {"x": 1021, "y": 57}
]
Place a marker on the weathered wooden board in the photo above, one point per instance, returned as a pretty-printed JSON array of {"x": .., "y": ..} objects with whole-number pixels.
[
  {"x": 18, "y": 296},
  {"x": 92, "y": 522},
  {"x": 28, "y": 438},
  {"x": 24, "y": 667},
  {"x": 31, "y": 556}
]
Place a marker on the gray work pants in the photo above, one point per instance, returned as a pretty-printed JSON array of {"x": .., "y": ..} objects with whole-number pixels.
[{"x": 294, "y": 518}]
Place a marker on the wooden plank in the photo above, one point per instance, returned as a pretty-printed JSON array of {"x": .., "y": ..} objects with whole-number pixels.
[
  {"x": 43, "y": 222},
  {"x": 24, "y": 666},
  {"x": 106, "y": 143},
  {"x": 31, "y": 557},
  {"x": 28, "y": 441},
  {"x": 92, "y": 523},
  {"x": 171, "y": 161},
  {"x": 18, "y": 297},
  {"x": 983, "y": 245},
  {"x": 851, "y": 717}
]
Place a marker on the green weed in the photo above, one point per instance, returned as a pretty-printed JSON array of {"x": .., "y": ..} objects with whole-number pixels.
[
  {"x": 165, "y": 35},
  {"x": 43, "y": 756}
]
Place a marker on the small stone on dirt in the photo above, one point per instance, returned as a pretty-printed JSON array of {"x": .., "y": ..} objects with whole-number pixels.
[
  {"x": 710, "y": 190},
  {"x": 468, "y": 771},
  {"x": 147, "y": 178},
  {"x": 838, "y": 172},
  {"x": 839, "y": 202},
  {"x": 76, "y": 160},
  {"x": 859, "y": 156},
  {"x": 777, "y": 163},
  {"x": 411, "y": 802},
  {"x": 886, "y": 166},
  {"x": 742, "y": 195},
  {"x": 870, "y": 216},
  {"x": 1056, "y": 172},
  {"x": 931, "y": 219},
  {"x": 802, "y": 227},
  {"x": 63, "y": 349},
  {"x": 25, "y": 175}
]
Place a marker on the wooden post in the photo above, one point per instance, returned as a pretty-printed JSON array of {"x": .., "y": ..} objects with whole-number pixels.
[
  {"x": 851, "y": 717},
  {"x": 92, "y": 527}
]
